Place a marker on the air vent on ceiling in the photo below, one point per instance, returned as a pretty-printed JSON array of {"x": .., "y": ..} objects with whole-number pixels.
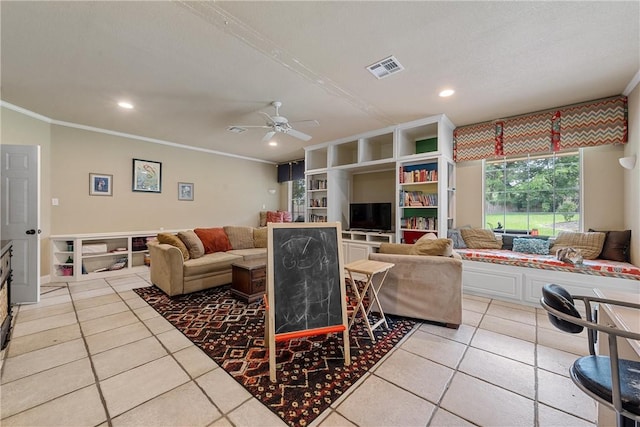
[
  {"x": 236, "y": 129},
  {"x": 386, "y": 67}
]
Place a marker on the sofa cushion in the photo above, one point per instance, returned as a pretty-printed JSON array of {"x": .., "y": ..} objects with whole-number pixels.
[
  {"x": 589, "y": 244},
  {"x": 193, "y": 243},
  {"x": 253, "y": 253},
  {"x": 260, "y": 237},
  {"x": 174, "y": 240},
  {"x": 433, "y": 247},
  {"x": 213, "y": 239},
  {"x": 479, "y": 238},
  {"x": 240, "y": 237},
  {"x": 531, "y": 246},
  {"x": 209, "y": 263},
  {"x": 616, "y": 245}
]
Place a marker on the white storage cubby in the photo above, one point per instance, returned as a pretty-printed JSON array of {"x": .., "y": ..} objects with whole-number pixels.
[{"x": 88, "y": 256}]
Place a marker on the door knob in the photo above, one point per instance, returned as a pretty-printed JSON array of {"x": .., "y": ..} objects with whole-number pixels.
[{"x": 32, "y": 231}]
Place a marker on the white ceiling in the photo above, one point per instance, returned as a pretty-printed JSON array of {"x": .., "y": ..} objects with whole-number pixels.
[{"x": 194, "y": 68}]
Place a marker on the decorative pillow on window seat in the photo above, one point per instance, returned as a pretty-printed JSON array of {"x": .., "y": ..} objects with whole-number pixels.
[
  {"x": 616, "y": 245},
  {"x": 479, "y": 238},
  {"x": 589, "y": 244},
  {"x": 531, "y": 246}
]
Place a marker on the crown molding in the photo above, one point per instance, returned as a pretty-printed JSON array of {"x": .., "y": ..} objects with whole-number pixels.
[
  {"x": 49, "y": 120},
  {"x": 632, "y": 84}
]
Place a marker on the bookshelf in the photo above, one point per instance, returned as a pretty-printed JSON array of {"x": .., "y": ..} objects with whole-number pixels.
[{"x": 317, "y": 201}]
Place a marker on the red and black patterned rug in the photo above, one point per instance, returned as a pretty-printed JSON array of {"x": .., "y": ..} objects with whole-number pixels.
[{"x": 311, "y": 373}]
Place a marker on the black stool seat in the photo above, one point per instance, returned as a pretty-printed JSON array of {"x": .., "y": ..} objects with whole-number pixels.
[{"x": 594, "y": 373}]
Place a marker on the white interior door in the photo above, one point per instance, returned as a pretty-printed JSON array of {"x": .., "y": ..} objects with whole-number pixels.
[{"x": 20, "y": 203}]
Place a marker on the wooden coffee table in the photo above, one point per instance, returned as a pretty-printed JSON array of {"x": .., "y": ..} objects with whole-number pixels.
[{"x": 249, "y": 279}]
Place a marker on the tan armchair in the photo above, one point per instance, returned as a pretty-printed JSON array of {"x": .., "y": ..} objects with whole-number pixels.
[{"x": 422, "y": 286}]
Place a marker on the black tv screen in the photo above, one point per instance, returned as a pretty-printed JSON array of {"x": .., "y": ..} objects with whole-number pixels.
[{"x": 370, "y": 216}]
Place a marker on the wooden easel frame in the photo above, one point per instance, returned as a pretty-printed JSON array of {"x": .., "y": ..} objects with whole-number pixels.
[{"x": 271, "y": 338}]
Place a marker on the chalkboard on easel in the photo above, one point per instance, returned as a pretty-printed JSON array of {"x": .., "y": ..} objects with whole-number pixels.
[{"x": 305, "y": 283}]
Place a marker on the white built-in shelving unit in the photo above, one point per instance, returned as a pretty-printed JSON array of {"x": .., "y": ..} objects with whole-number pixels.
[
  {"x": 422, "y": 144},
  {"x": 76, "y": 257}
]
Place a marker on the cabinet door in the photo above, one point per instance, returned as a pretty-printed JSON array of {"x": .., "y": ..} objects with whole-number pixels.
[{"x": 357, "y": 252}]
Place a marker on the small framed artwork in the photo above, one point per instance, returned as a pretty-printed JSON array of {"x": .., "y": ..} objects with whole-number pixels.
[
  {"x": 147, "y": 176},
  {"x": 100, "y": 184},
  {"x": 185, "y": 191}
]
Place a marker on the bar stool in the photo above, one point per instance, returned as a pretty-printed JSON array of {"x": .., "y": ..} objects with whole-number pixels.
[{"x": 609, "y": 380}]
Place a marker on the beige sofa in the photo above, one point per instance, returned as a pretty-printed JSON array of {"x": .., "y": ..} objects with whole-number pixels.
[
  {"x": 175, "y": 275},
  {"x": 422, "y": 286}
]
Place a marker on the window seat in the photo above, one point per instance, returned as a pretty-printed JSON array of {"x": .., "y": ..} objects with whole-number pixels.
[
  {"x": 519, "y": 277},
  {"x": 597, "y": 267}
]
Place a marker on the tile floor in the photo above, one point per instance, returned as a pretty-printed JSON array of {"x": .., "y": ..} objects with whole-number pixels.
[{"x": 94, "y": 354}]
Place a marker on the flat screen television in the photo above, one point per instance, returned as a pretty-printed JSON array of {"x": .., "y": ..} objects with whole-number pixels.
[{"x": 370, "y": 216}]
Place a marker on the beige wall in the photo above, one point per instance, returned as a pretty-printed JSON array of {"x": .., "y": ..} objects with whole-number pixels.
[
  {"x": 227, "y": 190},
  {"x": 632, "y": 177},
  {"x": 20, "y": 129},
  {"x": 469, "y": 198},
  {"x": 375, "y": 187},
  {"x": 603, "y": 190}
]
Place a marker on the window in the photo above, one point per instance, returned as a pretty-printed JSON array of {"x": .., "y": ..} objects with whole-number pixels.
[
  {"x": 533, "y": 194},
  {"x": 297, "y": 191}
]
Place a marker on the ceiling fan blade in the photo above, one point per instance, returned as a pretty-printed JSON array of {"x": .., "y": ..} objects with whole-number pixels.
[
  {"x": 251, "y": 126},
  {"x": 271, "y": 121},
  {"x": 268, "y": 136},
  {"x": 298, "y": 134},
  {"x": 313, "y": 123}
]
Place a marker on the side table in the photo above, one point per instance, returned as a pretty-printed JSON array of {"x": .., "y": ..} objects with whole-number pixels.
[
  {"x": 249, "y": 279},
  {"x": 369, "y": 269}
]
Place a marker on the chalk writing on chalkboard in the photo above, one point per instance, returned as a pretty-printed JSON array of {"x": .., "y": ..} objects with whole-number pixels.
[{"x": 307, "y": 279}]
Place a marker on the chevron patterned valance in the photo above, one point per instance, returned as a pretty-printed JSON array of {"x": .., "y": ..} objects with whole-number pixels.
[{"x": 599, "y": 122}]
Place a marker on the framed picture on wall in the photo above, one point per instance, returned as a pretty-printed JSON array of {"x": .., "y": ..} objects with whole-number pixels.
[
  {"x": 100, "y": 184},
  {"x": 185, "y": 191},
  {"x": 147, "y": 176}
]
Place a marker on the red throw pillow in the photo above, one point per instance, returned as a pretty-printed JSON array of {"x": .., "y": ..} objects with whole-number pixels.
[
  {"x": 286, "y": 216},
  {"x": 273, "y": 216},
  {"x": 213, "y": 240}
]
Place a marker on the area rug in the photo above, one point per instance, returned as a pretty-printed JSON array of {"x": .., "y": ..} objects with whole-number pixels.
[{"x": 311, "y": 373}]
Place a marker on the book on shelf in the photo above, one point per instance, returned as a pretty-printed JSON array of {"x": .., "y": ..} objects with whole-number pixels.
[
  {"x": 317, "y": 184},
  {"x": 418, "y": 199},
  {"x": 419, "y": 223},
  {"x": 417, "y": 175}
]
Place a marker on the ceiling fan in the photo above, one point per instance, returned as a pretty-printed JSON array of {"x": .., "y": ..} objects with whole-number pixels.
[{"x": 280, "y": 124}]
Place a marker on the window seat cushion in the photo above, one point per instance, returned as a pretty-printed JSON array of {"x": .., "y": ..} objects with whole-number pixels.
[{"x": 597, "y": 267}]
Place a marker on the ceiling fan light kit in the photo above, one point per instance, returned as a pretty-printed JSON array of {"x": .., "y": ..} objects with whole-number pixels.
[{"x": 276, "y": 124}]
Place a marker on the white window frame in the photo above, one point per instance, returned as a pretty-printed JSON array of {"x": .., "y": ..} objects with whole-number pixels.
[{"x": 580, "y": 178}]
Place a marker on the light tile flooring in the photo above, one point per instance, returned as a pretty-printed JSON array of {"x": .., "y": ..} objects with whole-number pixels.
[{"x": 94, "y": 354}]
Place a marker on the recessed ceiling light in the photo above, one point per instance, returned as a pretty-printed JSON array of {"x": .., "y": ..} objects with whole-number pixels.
[
  {"x": 273, "y": 143},
  {"x": 125, "y": 105},
  {"x": 447, "y": 92}
]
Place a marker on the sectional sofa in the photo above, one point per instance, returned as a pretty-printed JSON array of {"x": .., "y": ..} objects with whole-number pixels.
[{"x": 193, "y": 260}]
